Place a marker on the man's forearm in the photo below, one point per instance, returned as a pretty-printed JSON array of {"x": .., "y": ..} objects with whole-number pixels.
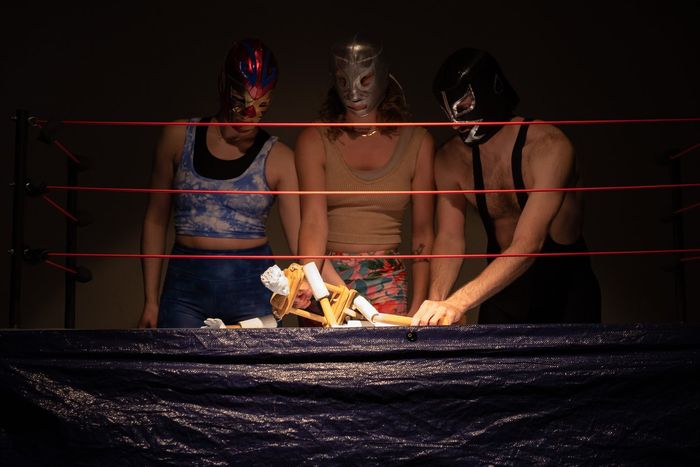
[
  {"x": 420, "y": 284},
  {"x": 497, "y": 276},
  {"x": 444, "y": 271}
]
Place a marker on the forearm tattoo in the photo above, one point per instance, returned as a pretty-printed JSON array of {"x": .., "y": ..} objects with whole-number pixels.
[{"x": 419, "y": 251}]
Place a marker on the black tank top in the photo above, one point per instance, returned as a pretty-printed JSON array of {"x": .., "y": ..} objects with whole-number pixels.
[
  {"x": 560, "y": 289},
  {"x": 550, "y": 246},
  {"x": 210, "y": 166}
]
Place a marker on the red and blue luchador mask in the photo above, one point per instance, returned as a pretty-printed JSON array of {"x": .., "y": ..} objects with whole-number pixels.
[{"x": 248, "y": 77}]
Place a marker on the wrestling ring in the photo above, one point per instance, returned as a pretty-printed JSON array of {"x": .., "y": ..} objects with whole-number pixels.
[{"x": 446, "y": 395}]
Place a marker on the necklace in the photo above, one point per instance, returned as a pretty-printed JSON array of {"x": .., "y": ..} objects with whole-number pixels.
[{"x": 364, "y": 132}]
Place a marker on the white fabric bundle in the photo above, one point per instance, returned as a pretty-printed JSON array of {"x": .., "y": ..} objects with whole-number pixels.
[
  {"x": 275, "y": 280},
  {"x": 267, "y": 321}
]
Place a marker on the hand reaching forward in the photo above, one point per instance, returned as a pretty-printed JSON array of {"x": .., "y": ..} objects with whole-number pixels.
[{"x": 431, "y": 312}]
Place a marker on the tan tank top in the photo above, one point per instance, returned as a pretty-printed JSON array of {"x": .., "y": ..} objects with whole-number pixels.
[{"x": 370, "y": 219}]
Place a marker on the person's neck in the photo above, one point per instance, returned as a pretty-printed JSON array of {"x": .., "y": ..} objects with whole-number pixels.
[
  {"x": 233, "y": 134},
  {"x": 371, "y": 117},
  {"x": 362, "y": 130},
  {"x": 502, "y": 141}
]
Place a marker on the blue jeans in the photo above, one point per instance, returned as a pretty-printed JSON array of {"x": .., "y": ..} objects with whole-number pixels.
[{"x": 229, "y": 289}]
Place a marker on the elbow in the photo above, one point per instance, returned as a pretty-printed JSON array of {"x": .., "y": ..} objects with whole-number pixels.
[
  {"x": 527, "y": 245},
  {"x": 158, "y": 215},
  {"x": 313, "y": 224},
  {"x": 530, "y": 246},
  {"x": 155, "y": 224},
  {"x": 426, "y": 239},
  {"x": 311, "y": 233},
  {"x": 423, "y": 233},
  {"x": 448, "y": 242}
]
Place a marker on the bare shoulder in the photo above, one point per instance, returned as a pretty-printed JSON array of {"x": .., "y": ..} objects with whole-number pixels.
[
  {"x": 548, "y": 156},
  {"x": 425, "y": 135},
  {"x": 545, "y": 141},
  {"x": 281, "y": 157},
  {"x": 452, "y": 161},
  {"x": 427, "y": 143},
  {"x": 175, "y": 132},
  {"x": 451, "y": 154},
  {"x": 172, "y": 140},
  {"x": 309, "y": 150},
  {"x": 309, "y": 136},
  {"x": 281, "y": 151}
]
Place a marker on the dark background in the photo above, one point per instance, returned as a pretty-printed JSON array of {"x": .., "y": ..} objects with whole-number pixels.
[{"x": 157, "y": 61}]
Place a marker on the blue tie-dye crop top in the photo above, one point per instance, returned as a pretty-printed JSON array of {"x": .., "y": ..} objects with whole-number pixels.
[{"x": 221, "y": 215}]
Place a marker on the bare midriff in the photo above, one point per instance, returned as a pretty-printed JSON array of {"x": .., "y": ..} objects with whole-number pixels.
[{"x": 216, "y": 243}]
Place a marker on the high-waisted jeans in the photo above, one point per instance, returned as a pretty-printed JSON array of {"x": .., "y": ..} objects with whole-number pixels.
[{"x": 229, "y": 289}]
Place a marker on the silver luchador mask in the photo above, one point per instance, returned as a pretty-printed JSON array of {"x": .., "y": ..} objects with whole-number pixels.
[{"x": 361, "y": 74}]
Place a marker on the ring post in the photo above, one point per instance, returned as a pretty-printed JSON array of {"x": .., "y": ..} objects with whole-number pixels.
[
  {"x": 71, "y": 245},
  {"x": 678, "y": 240},
  {"x": 18, "y": 205}
]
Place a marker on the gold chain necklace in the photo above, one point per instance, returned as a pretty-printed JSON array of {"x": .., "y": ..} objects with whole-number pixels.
[{"x": 364, "y": 132}]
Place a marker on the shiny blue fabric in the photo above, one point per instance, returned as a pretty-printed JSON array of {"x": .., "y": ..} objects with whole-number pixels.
[{"x": 472, "y": 395}]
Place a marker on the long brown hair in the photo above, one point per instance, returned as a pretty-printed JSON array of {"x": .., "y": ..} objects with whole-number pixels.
[{"x": 393, "y": 108}]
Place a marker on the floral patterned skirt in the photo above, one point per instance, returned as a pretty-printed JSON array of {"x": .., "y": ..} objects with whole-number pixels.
[{"x": 382, "y": 281}]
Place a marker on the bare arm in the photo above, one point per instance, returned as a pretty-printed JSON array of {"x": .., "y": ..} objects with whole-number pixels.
[
  {"x": 422, "y": 222},
  {"x": 155, "y": 222},
  {"x": 310, "y": 160},
  {"x": 449, "y": 239},
  {"x": 283, "y": 177},
  {"x": 552, "y": 166}
]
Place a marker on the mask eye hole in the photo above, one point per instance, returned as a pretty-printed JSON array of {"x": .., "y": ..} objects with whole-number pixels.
[
  {"x": 341, "y": 81},
  {"x": 236, "y": 99},
  {"x": 464, "y": 105},
  {"x": 237, "y": 107},
  {"x": 367, "y": 80}
]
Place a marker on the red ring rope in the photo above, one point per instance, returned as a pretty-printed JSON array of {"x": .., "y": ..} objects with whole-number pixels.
[
  {"x": 450, "y": 256},
  {"x": 685, "y": 151},
  {"x": 59, "y": 208},
  {"x": 395, "y": 192},
  {"x": 686, "y": 208},
  {"x": 60, "y": 266},
  {"x": 387, "y": 192},
  {"x": 377, "y": 124},
  {"x": 66, "y": 151}
]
